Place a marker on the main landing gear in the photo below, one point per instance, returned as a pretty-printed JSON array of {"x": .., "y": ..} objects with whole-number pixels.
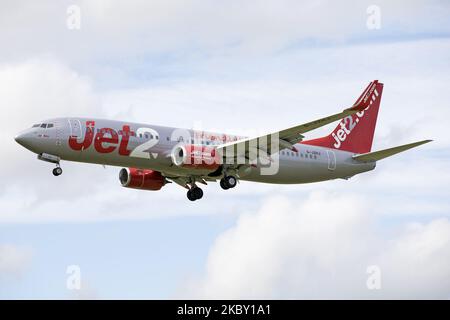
[
  {"x": 228, "y": 182},
  {"x": 194, "y": 193}
]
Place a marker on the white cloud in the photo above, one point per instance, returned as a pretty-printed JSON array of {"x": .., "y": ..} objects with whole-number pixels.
[
  {"x": 13, "y": 261},
  {"x": 321, "y": 248},
  {"x": 32, "y": 91},
  {"x": 54, "y": 89},
  {"x": 292, "y": 87},
  {"x": 273, "y": 64},
  {"x": 43, "y": 87},
  {"x": 418, "y": 262},
  {"x": 112, "y": 29}
]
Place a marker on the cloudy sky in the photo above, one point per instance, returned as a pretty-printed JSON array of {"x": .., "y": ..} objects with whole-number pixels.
[{"x": 236, "y": 67}]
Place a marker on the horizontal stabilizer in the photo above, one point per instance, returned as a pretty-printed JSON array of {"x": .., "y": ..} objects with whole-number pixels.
[{"x": 379, "y": 155}]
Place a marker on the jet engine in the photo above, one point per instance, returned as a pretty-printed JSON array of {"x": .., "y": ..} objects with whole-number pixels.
[
  {"x": 141, "y": 179},
  {"x": 196, "y": 157}
]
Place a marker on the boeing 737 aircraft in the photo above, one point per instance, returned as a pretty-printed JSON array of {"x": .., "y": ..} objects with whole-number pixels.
[{"x": 154, "y": 155}]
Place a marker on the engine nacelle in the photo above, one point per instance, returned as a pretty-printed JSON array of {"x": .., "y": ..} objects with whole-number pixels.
[
  {"x": 195, "y": 156},
  {"x": 141, "y": 179}
]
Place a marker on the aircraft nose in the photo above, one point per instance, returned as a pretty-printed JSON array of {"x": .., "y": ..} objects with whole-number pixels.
[
  {"x": 20, "y": 138},
  {"x": 24, "y": 139}
]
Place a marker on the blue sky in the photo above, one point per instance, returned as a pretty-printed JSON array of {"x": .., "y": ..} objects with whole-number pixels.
[
  {"x": 235, "y": 68},
  {"x": 155, "y": 255}
]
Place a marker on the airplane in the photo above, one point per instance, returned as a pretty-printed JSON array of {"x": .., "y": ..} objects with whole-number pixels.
[{"x": 153, "y": 156}]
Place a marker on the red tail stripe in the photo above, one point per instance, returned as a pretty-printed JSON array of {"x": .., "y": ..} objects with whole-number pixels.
[{"x": 355, "y": 133}]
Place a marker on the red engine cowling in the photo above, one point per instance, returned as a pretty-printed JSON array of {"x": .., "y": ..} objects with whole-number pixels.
[
  {"x": 196, "y": 156},
  {"x": 141, "y": 179}
]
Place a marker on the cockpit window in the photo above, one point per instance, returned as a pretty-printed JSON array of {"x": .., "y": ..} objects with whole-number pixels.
[
  {"x": 36, "y": 125},
  {"x": 44, "y": 125}
]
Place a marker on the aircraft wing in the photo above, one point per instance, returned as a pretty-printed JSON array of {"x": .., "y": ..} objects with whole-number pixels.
[{"x": 288, "y": 137}]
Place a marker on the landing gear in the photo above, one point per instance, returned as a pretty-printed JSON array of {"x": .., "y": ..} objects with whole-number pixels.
[
  {"x": 52, "y": 159},
  {"x": 228, "y": 182},
  {"x": 195, "y": 193},
  {"x": 223, "y": 184},
  {"x": 57, "y": 171}
]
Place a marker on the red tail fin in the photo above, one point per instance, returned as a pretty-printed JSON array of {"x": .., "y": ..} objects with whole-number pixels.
[{"x": 355, "y": 133}]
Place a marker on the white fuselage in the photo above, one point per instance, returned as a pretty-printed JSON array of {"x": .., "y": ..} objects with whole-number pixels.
[{"x": 145, "y": 146}]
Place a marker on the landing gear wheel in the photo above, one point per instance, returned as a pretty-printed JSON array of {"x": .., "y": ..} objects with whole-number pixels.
[
  {"x": 230, "y": 181},
  {"x": 57, "y": 171},
  {"x": 223, "y": 184},
  {"x": 195, "y": 194},
  {"x": 190, "y": 196},
  {"x": 198, "y": 193}
]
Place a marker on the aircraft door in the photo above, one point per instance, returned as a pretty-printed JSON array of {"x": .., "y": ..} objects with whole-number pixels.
[
  {"x": 75, "y": 128},
  {"x": 331, "y": 160}
]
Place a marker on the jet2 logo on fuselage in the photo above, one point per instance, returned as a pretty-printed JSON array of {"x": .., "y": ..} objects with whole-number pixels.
[{"x": 104, "y": 135}]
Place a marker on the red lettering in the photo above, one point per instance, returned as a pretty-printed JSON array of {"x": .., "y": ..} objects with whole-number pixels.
[
  {"x": 103, "y": 136},
  {"x": 100, "y": 139},
  {"x": 75, "y": 145},
  {"x": 126, "y": 133}
]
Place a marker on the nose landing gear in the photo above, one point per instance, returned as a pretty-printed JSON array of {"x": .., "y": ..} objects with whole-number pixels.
[
  {"x": 52, "y": 159},
  {"x": 57, "y": 171}
]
